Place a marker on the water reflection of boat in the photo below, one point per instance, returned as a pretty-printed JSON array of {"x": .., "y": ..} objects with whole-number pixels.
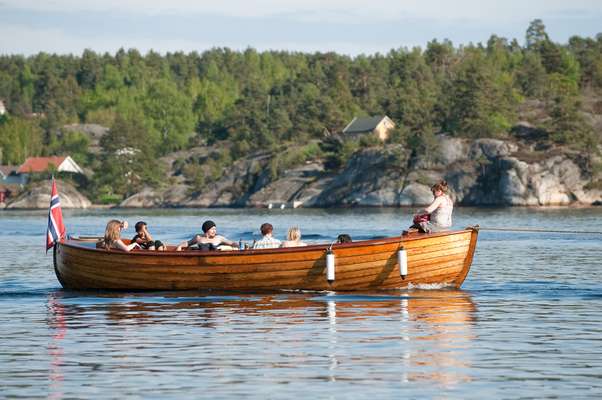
[
  {"x": 440, "y": 258},
  {"x": 430, "y": 306},
  {"x": 420, "y": 336}
]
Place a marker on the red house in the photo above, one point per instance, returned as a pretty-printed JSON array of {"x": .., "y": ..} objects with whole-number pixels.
[{"x": 41, "y": 164}]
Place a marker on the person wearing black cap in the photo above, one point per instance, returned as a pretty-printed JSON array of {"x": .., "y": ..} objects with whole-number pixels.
[{"x": 209, "y": 240}]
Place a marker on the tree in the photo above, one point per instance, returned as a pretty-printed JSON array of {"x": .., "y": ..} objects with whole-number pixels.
[
  {"x": 536, "y": 34},
  {"x": 170, "y": 113},
  {"x": 567, "y": 125},
  {"x": 128, "y": 158},
  {"x": 531, "y": 75},
  {"x": 481, "y": 101},
  {"x": 89, "y": 70},
  {"x": 19, "y": 139}
]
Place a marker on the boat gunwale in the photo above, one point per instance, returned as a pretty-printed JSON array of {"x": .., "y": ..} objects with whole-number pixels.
[{"x": 74, "y": 244}]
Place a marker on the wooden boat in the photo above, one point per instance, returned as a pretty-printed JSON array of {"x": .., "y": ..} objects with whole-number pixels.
[{"x": 438, "y": 258}]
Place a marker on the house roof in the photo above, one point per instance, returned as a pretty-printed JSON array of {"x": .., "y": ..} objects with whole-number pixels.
[
  {"x": 40, "y": 164},
  {"x": 364, "y": 124},
  {"x": 6, "y": 170}
]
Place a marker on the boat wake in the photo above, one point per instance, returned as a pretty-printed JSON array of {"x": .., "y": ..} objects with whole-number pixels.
[{"x": 429, "y": 286}]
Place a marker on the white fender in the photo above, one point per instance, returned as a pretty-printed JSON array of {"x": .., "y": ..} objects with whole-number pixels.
[
  {"x": 402, "y": 259},
  {"x": 330, "y": 266}
]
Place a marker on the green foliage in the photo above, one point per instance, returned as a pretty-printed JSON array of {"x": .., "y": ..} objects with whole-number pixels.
[
  {"x": 195, "y": 176},
  {"x": 170, "y": 114},
  {"x": 200, "y": 171},
  {"x": 531, "y": 75},
  {"x": 481, "y": 100},
  {"x": 347, "y": 150},
  {"x": 567, "y": 125},
  {"x": 261, "y": 101},
  {"x": 128, "y": 159},
  {"x": 106, "y": 197},
  {"x": 424, "y": 143},
  {"x": 19, "y": 139},
  {"x": 74, "y": 144},
  {"x": 369, "y": 141},
  {"x": 290, "y": 157},
  {"x": 536, "y": 34}
]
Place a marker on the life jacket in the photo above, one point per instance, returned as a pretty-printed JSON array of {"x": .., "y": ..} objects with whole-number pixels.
[{"x": 421, "y": 218}]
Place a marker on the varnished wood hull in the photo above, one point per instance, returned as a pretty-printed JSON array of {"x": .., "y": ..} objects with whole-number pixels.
[{"x": 441, "y": 258}]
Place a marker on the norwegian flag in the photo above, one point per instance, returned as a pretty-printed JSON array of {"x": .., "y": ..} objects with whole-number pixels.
[{"x": 56, "y": 229}]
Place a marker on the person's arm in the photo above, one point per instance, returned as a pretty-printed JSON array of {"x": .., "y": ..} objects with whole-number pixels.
[
  {"x": 227, "y": 242},
  {"x": 187, "y": 243},
  {"x": 434, "y": 205},
  {"x": 149, "y": 238},
  {"x": 122, "y": 246}
]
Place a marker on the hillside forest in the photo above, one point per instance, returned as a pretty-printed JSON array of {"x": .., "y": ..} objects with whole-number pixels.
[{"x": 292, "y": 105}]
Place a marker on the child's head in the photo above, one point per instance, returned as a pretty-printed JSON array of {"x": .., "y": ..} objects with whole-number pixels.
[
  {"x": 344, "y": 238},
  {"x": 294, "y": 233},
  {"x": 440, "y": 187},
  {"x": 112, "y": 232},
  {"x": 140, "y": 226},
  {"x": 266, "y": 229}
]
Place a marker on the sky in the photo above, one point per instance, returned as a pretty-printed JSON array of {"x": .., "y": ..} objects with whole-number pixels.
[{"x": 345, "y": 26}]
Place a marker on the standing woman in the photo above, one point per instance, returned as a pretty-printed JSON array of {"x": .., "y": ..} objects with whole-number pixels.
[
  {"x": 439, "y": 211},
  {"x": 112, "y": 239}
]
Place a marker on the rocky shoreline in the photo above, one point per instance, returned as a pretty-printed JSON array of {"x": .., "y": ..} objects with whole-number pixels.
[{"x": 483, "y": 172}]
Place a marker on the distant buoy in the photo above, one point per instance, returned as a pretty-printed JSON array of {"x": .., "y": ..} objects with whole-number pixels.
[
  {"x": 402, "y": 259},
  {"x": 330, "y": 266}
]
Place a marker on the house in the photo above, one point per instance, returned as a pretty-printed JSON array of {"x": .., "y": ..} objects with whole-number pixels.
[
  {"x": 10, "y": 182},
  {"x": 10, "y": 176},
  {"x": 4, "y": 193},
  {"x": 42, "y": 164},
  {"x": 380, "y": 126}
]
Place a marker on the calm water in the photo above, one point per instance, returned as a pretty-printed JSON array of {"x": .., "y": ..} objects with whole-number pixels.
[{"x": 526, "y": 324}]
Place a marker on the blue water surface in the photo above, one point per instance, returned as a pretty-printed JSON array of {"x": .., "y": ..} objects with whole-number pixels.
[{"x": 527, "y": 322}]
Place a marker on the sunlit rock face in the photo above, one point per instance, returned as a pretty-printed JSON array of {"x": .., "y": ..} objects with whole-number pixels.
[
  {"x": 39, "y": 197},
  {"x": 490, "y": 172}
]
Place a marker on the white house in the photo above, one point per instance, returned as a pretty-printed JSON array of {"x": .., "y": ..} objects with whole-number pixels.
[
  {"x": 41, "y": 164},
  {"x": 379, "y": 126}
]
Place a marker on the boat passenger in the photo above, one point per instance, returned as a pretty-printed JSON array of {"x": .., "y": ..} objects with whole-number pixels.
[
  {"x": 112, "y": 239},
  {"x": 293, "y": 238},
  {"x": 267, "y": 241},
  {"x": 438, "y": 215},
  {"x": 209, "y": 240},
  {"x": 144, "y": 238},
  {"x": 344, "y": 238}
]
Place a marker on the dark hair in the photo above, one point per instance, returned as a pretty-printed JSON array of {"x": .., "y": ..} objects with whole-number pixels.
[
  {"x": 266, "y": 228},
  {"x": 207, "y": 225},
  {"x": 343, "y": 238},
  {"x": 139, "y": 225},
  {"x": 440, "y": 186}
]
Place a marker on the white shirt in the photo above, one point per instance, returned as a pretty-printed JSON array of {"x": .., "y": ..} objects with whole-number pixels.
[{"x": 267, "y": 242}]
